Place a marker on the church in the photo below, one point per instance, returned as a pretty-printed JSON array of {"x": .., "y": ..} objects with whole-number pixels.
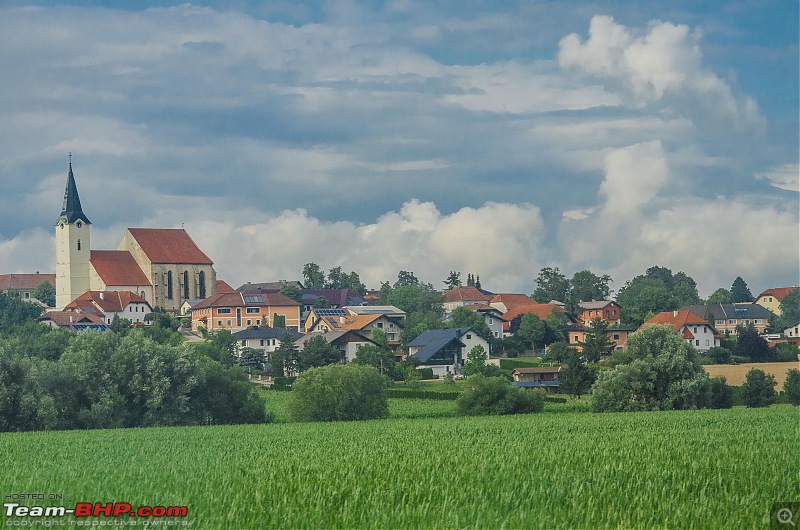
[{"x": 162, "y": 265}]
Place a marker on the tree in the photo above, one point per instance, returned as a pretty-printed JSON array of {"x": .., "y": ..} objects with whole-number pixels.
[
  {"x": 219, "y": 345},
  {"x": 224, "y": 396},
  {"x": 576, "y": 379},
  {"x": 337, "y": 279},
  {"x": 251, "y": 359},
  {"x": 453, "y": 280},
  {"x": 321, "y": 303},
  {"x": 292, "y": 291},
  {"x": 478, "y": 282},
  {"x": 339, "y": 392},
  {"x": 758, "y": 389},
  {"x": 720, "y": 296},
  {"x": 586, "y": 286},
  {"x": 14, "y": 312},
  {"x": 550, "y": 285},
  {"x": 405, "y": 278},
  {"x": 317, "y": 352},
  {"x": 740, "y": 292},
  {"x": 470, "y": 280},
  {"x": 557, "y": 323},
  {"x": 378, "y": 355},
  {"x": 278, "y": 321},
  {"x": 532, "y": 329},
  {"x": 791, "y": 387},
  {"x": 495, "y": 395},
  {"x": 45, "y": 293},
  {"x": 596, "y": 343},
  {"x": 476, "y": 360},
  {"x": 720, "y": 394},
  {"x": 665, "y": 374},
  {"x": 643, "y": 295},
  {"x": 560, "y": 352},
  {"x": 286, "y": 357},
  {"x": 790, "y": 309},
  {"x": 684, "y": 290},
  {"x": 313, "y": 276},
  {"x": 719, "y": 355},
  {"x": 752, "y": 345},
  {"x": 120, "y": 326},
  {"x": 461, "y": 317}
]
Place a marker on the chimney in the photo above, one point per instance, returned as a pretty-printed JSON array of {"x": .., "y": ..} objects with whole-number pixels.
[
  {"x": 102, "y": 295},
  {"x": 675, "y": 313}
]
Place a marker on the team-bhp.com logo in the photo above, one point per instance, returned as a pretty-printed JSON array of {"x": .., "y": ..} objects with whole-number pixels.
[{"x": 88, "y": 509}]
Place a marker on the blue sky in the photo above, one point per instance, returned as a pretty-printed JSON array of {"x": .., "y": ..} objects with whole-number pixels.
[{"x": 493, "y": 138}]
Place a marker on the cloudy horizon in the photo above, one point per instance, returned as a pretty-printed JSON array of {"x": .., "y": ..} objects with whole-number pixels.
[{"x": 386, "y": 136}]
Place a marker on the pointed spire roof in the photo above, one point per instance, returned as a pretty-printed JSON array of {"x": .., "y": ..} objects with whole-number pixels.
[{"x": 71, "y": 210}]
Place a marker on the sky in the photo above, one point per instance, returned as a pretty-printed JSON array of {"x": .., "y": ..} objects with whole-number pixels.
[{"x": 489, "y": 138}]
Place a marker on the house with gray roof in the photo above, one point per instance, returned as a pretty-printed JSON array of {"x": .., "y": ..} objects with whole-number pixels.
[
  {"x": 727, "y": 317},
  {"x": 263, "y": 338},
  {"x": 445, "y": 350}
]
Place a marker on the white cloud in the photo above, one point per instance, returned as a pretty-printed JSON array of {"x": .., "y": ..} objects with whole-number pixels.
[{"x": 785, "y": 177}]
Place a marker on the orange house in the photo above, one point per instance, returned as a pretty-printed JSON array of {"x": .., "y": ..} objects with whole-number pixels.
[{"x": 236, "y": 311}]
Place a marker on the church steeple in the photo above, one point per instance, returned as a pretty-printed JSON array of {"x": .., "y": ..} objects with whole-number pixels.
[{"x": 71, "y": 210}]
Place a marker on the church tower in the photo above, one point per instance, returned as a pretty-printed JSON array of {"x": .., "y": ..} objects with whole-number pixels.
[{"x": 73, "y": 248}]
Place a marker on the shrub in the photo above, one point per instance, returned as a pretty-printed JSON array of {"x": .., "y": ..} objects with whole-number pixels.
[
  {"x": 426, "y": 373},
  {"x": 719, "y": 355},
  {"x": 720, "y": 394},
  {"x": 758, "y": 389},
  {"x": 339, "y": 392},
  {"x": 495, "y": 395},
  {"x": 791, "y": 387}
]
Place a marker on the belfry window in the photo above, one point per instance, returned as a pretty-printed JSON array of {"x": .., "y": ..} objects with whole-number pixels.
[{"x": 79, "y": 244}]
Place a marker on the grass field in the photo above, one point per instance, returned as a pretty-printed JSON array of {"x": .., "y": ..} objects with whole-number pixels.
[{"x": 701, "y": 469}]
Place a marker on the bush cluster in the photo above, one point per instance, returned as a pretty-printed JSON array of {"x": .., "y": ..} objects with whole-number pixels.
[
  {"x": 495, "y": 395},
  {"x": 339, "y": 392}
]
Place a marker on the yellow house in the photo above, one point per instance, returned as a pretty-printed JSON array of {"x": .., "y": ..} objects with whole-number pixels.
[{"x": 771, "y": 298}]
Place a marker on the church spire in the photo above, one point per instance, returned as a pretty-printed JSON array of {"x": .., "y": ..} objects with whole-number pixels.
[{"x": 71, "y": 210}]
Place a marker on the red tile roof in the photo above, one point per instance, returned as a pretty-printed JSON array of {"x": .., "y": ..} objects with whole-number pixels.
[
  {"x": 540, "y": 310},
  {"x": 777, "y": 292},
  {"x": 67, "y": 318},
  {"x": 224, "y": 287},
  {"x": 169, "y": 245},
  {"x": 677, "y": 319},
  {"x": 465, "y": 294},
  {"x": 538, "y": 370},
  {"x": 117, "y": 267},
  {"x": 24, "y": 282},
  {"x": 107, "y": 301},
  {"x": 512, "y": 300}
]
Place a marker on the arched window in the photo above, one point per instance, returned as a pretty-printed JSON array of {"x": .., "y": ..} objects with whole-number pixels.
[
  {"x": 202, "y": 282},
  {"x": 169, "y": 285},
  {"x": 185, "y": 285}
]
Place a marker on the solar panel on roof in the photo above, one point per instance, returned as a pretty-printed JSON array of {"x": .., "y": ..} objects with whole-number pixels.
[
  {"x": 253, "y": 299},
  {"x": 331, "y": 312}
]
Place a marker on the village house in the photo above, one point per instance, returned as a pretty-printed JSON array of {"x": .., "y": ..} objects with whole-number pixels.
[
  {"x": 236, "y": 311},
  {"x": 265, "y": 339},
  {"x": 445, "y": 350},
  {"x": 110, "y": 304},
  {"x": 24, "y": 284},
  {"x": 346, "y": 341},
  {"x": 728, "y": 317},
  {"x": 545, "y": 377},
  {"x": 693, "y": 328},
  {"x": 73, "y": 321},
  {"x": 461, "y": 296},
  {"x": 607, "y": 310},
  {"x": 771, "y": 298}
]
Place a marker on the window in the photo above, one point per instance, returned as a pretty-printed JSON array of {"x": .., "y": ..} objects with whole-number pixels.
[
  {"x": 469, "y": 336},
  {"x": 732, "y": 321},
  {"x": 229, "y": 323},
  {"x": 616, "y": 336},
  {"x": 379, "y": 325},
  {"x": 249, "y": 322},
  {"x": 253, "y": 310},
  {"x": 169, "y": 285},
  {"x": 261, "y": 342},
  {"x": 219, "y": 323},
  {"x": 224, "y": 310},
  {"x": 185, "y": 285},
  {"x": 720, "y": 322},
  {"x": 391, "y": 336},
  {"x": 695, "y": 329},
  {"x": 27, "y": 295},
  {"x": 697, "y": 343},
  {"x": 79, "y": 244},
  {"x": 759, "y": 321},
  {"x": 491, "y": 321},
  {"x": 244, "y": 343},
  {"x": 202, "y": 284},
  {"x": 707, "y": 342}
]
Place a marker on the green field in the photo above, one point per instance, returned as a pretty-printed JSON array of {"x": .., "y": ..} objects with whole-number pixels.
[{"x": 683, "y": 469}]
